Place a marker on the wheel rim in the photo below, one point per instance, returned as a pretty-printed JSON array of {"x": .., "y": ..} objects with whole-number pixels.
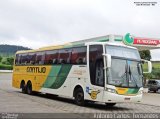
[
  {"x": 29, "y": 89},
  {"x": 23, "y": 88},
  {"x": 79, "y": 97}
]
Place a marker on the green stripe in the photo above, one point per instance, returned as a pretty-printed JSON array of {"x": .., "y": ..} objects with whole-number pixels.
[
  {"x": 103, "y": 40},
  {"x": 65, "y": 69},
  {"x": 132, "y": 90},
  {"x": 118, "y": 39},
  {"x": 57, "y": 76},
  {"x": 52, "y": 76}
]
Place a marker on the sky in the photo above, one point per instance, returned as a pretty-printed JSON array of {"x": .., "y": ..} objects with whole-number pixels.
[{"x": 38, "y": 23}]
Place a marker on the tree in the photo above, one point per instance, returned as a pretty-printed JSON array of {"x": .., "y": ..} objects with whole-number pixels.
[
  {"x": 10, "y": 60},
  {"x": 0, "y": 58},
  {"x": 145, "y": 54}
]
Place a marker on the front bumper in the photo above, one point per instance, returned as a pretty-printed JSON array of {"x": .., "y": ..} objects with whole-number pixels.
[{"x": 113, "y": 98}]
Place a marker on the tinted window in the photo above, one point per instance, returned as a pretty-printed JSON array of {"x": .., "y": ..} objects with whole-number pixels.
[
  {"x": 51, "y": 57},
  {"x": 23, "y": 59},
  {"x": 31, "y": 58},
  {"x": 96, "y": 65},
  {"x": 64, "y": 56},
  {"x": 152, "y": 82},
  {"x": 79, "y": 55},
  {"x": 40, "y": 56},
  {"x": 17, "y": 59}
]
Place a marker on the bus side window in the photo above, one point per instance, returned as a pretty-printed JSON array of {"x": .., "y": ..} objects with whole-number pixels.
[
  {"x": 79, "y": 55},
  {"x": 17, "y": 59},
  {"x": 31, "y": 58},
  {"x": 51, "y": 57},
  {"x": 64, "y": 56},
  {"x": 40, "y": 57},
  {"x": 96, "y": 65},
  {"x": 23, "y": 59}
]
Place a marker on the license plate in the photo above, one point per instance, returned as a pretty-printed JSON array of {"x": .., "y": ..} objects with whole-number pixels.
[{"x": 126, "y": 98}]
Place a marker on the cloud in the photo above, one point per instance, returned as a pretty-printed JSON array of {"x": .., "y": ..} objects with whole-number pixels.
[{"x": 37, "y": 23}]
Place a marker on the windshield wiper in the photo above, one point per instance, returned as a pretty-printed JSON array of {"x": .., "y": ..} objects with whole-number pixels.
[
  {"x": 131, "y": 75},
  {"x": 124, "y": 76}
]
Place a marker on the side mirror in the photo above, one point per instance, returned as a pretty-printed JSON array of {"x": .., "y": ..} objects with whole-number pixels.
[
  {"x": 139, "y": 66},
  {"x": 149, "y": 66},
  {"x": 108, "y": 60}
]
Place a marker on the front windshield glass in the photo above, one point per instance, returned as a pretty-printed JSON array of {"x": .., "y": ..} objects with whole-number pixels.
[
  {"x": 123, "y": 52},
  {"x": 135, "y": 74},
  {"x": 125, "y": 71},
  {"x": 118, "y": 72}
]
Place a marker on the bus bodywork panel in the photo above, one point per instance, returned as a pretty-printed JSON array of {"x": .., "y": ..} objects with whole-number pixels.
[
  {"x": 37, "y": 75},
  {"x": 65, "y": 79},
  {"x": 48, "y": 79},
  {"x": 61, "y": 79}
]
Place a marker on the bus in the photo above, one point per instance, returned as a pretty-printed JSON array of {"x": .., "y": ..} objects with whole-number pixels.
[{"x": 86, "y": 71}]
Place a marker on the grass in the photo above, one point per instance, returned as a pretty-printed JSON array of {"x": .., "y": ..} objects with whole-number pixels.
[
  {"x": 155, "y": 71},
  {"x": 4, "y": 64},
  {"x": 154, "y": 66},
  {"x": 145, "y": 67},
  {"x": 5, "y": 67}
]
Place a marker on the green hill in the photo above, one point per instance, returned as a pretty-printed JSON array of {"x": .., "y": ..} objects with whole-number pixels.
[
  {"x": 10, "y": 50},
  {"x": 7, "y": 55}
]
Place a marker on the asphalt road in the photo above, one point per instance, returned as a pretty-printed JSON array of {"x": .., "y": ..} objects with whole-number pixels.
[{"x": 13, "y": 101}]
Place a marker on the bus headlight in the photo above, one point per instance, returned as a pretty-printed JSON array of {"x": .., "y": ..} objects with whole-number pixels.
[{"x": 111, "y": 90}]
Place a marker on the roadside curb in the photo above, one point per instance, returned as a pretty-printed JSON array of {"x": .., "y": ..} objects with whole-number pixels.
[{"x": 6, "y": 71}]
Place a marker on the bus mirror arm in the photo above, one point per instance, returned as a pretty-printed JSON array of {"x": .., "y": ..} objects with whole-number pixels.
[
  {"x": 108, "y": 60},
  {"x": 149, "y": 66}
]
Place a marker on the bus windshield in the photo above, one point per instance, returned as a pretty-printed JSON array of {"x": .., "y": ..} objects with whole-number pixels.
[
  {"x": 123, "y": 52},
  {"x": 124, "y": 71}
]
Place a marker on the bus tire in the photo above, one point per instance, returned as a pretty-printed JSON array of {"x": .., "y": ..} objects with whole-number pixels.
[
  {"x": 23, "y": 87},
  {"x": 29, "y": 88},
  {"x": 79, "y": 97},
  {"x": 110, "y": 104}
]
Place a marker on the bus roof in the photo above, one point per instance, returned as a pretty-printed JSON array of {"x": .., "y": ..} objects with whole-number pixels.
[
  {"x": 108, "y": 39},
  {"x": 65, "y": 46},
  {"x": 111, "y": 43}
]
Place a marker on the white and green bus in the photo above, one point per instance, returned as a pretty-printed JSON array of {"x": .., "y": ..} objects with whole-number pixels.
[{"x": 92, "y": 71}]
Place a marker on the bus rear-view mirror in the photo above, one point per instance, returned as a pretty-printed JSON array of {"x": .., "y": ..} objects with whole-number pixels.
[
  {"x": 108, "y": 60},
  {"x": 147, "y": 66}
]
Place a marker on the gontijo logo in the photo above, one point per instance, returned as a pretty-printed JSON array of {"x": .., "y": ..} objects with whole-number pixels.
[{"x": 36, "y": 69}]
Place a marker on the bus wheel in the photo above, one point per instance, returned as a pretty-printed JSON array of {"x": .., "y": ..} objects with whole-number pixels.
[
  {"x": 29, "y": 88},
  {"x": 110, "y": 104},
  {"x": 79, "y": 97},
  {"x": 23, "y": 87}
]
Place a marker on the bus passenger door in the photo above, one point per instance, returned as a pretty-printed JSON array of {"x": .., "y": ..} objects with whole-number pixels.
[{"x": 96, "y": 72}]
